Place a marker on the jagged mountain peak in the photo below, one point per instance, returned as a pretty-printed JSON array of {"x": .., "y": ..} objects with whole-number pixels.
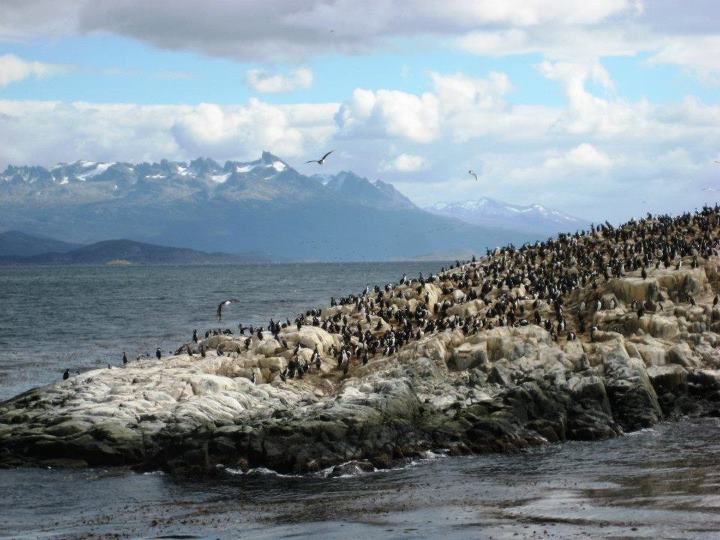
[
  {"x": 266, "y": 161},
  {"x": 264, "y": 179},
  {"x": 364, "y": 191}
]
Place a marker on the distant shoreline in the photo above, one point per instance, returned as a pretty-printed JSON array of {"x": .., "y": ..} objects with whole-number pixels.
[{"x": 14, "y": 264}]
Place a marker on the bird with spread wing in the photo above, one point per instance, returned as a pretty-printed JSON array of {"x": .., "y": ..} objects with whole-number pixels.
[
  {"x": 224, "y": 303},
  {"x": 321, "y": 160}
]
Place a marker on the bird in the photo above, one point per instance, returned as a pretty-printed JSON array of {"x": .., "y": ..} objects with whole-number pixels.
[
  {"x": 225, "y": 303},
  {"x": 321, "y": 160},
  {"x": 473, "y": 173}
]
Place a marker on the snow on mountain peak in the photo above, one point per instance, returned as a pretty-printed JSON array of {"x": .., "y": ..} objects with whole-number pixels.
[
  {"x": 93, "y": 170},
  {"x": 486, "y": 211},
  {"x": 220, "y": 178}
]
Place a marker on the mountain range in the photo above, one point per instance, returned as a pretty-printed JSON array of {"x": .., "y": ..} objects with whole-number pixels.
[
  {"x": 492, "y": 213},
  {"x": 264, "y": 207},
  {"x": 105, "y": 252},
  {"x": 19, "y": 244}
]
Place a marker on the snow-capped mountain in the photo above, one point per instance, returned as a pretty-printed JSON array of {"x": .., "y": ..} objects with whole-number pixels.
[
  {"x": 262, "y": 206},
  {"x": 201, "y": 179},
  {"x": 490, "y": 212}
]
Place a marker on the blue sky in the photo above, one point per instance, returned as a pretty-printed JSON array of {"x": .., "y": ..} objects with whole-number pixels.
[
  {"x": 591, "y": 110},
  {"x": 109, "y": 69}
]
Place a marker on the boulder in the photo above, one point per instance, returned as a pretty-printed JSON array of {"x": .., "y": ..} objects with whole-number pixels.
[
  {"x": 629, "y": 289},
  {"x": 468, "y": 356},
  {"x": 681, "y": 355},
  {"x": 632, "y": 396}
]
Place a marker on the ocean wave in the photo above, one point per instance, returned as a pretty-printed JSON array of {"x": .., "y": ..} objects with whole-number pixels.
[{"x": 258, "y": 471}]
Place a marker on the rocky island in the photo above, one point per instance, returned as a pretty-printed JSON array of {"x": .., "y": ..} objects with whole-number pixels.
[{"x": 582, "y": 337}]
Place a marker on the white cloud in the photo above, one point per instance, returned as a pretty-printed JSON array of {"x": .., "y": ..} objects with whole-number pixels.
[
  {"x": 406, "y": 163},
  {"x": 565, "y": 43},
  {"x": 14, "y": 69},
  {"x": 262, "y": 81},
  {"x": 390, "y": 113},
  {"x": 698, "y": 53},
  {"x": 127, "y": 132},
  {"x": 461, "y": 108},
  {"x": 588, "y": 113},
  {"x": 674, "y": 33},
  {"x": 583, "y": 156}
]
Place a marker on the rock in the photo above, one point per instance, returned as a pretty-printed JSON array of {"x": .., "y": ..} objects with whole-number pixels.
[
  {"x": 229, "y": 346},
  {"x": 500, "y": 389},
  {"x": 500, "y": 374},
  {"x": 659, "y": 326},
  {"x": 672, "y": 378},
  {"x": 310, "y": 337},
  {"x": 650, "y": 350},
  {"x": 272, "y": 364},
  {"x": 468, "y": 356},
  {"x": 214, "y": 341},
  {"x": 686, "y": 281},
  {"x": 682, "y": 355},
  {"x": 632, "y": 397},
  {"x": 631, "y": 289},
  {"x": 473, "y": 307}
]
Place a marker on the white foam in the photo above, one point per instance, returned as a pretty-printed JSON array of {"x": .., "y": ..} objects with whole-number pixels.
[{"x": 259, "y": 471}]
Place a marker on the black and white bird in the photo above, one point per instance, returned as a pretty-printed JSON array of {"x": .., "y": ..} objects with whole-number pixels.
[
  {"x": 221, "y": 305},
  {"x": 321, "y": 160},
  {"x": 473, "y": 173}
]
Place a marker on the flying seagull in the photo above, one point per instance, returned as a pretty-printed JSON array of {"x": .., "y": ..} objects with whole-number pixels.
[
  {"x": 225, "y": 303},
  {"x": 473, "y": 173},
  {"x": 321, "y": 160}
]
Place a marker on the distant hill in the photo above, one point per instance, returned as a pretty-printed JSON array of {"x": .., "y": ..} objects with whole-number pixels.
[
  {"x": 262, "y": 206},
  {"x": 130, "y": 252},
  {"x": 492, "y": 213},
  {"x": 19, "y": 244}
]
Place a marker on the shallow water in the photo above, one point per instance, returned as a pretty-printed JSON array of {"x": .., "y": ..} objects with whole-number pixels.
[{"x": 658, "y": 483}]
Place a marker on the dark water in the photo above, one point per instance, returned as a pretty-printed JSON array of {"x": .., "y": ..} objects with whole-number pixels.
[{"x": 658, "y": 483}]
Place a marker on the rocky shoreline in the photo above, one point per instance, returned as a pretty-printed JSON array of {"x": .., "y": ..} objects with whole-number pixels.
[{"x": 523, "y": 347}]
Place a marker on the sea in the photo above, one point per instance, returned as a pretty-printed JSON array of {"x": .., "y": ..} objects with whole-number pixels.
[{"x": 662, "y": 482}]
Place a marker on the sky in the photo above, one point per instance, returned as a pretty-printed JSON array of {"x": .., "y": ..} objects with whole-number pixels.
[{"x": 604, "y": 110}]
